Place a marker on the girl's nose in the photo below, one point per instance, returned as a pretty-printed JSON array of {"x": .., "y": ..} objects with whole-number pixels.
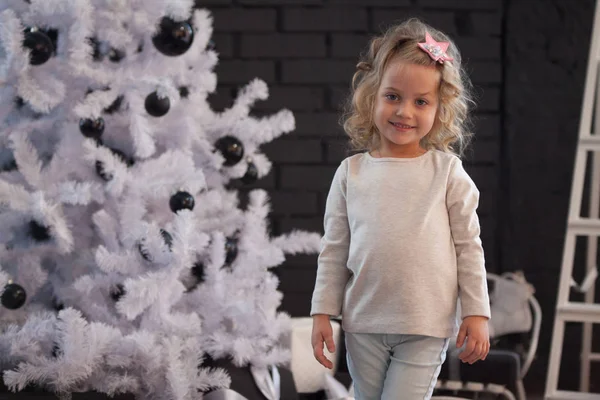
[{"x": 403, "y": 110}]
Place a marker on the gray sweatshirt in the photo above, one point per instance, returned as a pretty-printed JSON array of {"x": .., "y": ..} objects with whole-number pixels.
[{"x": 401, "y": 246}]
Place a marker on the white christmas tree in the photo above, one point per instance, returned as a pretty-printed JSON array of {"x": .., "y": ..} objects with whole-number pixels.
[{"x": 126, "y": 263}]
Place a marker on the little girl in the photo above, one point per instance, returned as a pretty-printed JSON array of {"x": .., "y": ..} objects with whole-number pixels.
[{"x": 401, "y": 241}]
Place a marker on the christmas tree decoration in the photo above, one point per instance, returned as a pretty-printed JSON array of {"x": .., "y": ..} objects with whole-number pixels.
[
  {"x": 53, "y": 35},
  {"x": 92, "y": 128},
  {"x": 110, "y": 249},
  {"x": 13, "y": 297},
  {"x": 173, "y": 38},
  {"x": 38, "y": 232},
  {"x": 181, "y": 201},
  {"x": 231, "y": 250},
  {"x": 231, "y": 149},
  {"x": 251, "y": 174},
  {"x": 39, "y": 44},
  {"x": 157, "y": 106},
  {"x": 211, "y": 46}
]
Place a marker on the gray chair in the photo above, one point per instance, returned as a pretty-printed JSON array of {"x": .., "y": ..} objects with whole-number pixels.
[{"x": 515, "y": 335}]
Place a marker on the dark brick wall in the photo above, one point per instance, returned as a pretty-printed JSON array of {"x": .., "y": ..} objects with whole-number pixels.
[
  {"x": 527, "y": 60},
  {"x": 547, "y": 44}
]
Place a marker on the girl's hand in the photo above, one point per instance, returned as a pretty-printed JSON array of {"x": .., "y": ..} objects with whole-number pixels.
[
  {"x": 475, "y": 330},
  {"x": 322, "y": 332}
]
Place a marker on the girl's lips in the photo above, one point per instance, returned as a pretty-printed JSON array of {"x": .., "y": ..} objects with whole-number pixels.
[{"x": 401, "y": 127}]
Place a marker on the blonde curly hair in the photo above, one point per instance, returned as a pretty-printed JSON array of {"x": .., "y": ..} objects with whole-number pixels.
[{"x": 450, "y": 132}]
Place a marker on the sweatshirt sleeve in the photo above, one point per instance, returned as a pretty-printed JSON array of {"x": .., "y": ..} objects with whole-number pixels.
[
  {"x": 332, "y": 273},
  {"x": 462, "y": 199}
]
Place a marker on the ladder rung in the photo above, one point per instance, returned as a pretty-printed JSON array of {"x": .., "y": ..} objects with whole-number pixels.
[
  {"x": 453, "y": 385},
  {"x": 585, "y": 226},
  {"x": 589, "y": 142},
  {"x": 594, "y": 357},
  {"x": 564, "y": 395},
  {"x": 474, "y": 387},
  {"x": 579, "y": 312}
]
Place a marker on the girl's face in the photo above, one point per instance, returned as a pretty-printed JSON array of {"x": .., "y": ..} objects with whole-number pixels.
[{"x": 405, "y": 107}]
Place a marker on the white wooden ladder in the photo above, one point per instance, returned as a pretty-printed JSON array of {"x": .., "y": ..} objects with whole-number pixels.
[{"x": 586, "y": 312}]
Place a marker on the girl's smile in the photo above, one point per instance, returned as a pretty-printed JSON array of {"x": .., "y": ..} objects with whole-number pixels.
[{"x": 402, "y": 127}]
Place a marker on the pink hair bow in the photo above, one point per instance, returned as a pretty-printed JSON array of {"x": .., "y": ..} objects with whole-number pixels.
[{"x": 436, "y": 50}]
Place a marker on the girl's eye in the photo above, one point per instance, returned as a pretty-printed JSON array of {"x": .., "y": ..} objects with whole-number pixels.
[
  {"x": 421, "y": 102},
  {"x": 391, "y": 97}
]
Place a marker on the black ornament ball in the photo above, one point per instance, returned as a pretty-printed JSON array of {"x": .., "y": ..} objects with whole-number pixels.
[
  {"x": 211, "y": 46},
  {"x": 231, "y": 149},
  {"x": 39, "y": 44},
  {"x": 91, "y": 128},
  {"x": 251, "y": 174},
  {"x": 167, "y": 238},
  {"x": 117, "y": 292},
  {"x": 13, "y": 296},
  {"x": 173, "y": 38},
  {"x": 181, "y": 201},
  {"x": 38, "y": 232},
  {"x": 53, "y": 35},
  {"x": 231, "y": 250},
  {"x": 157, "y": 106}
]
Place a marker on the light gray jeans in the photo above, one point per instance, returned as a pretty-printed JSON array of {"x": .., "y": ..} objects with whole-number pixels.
[{"x": 392, "y": 367}]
